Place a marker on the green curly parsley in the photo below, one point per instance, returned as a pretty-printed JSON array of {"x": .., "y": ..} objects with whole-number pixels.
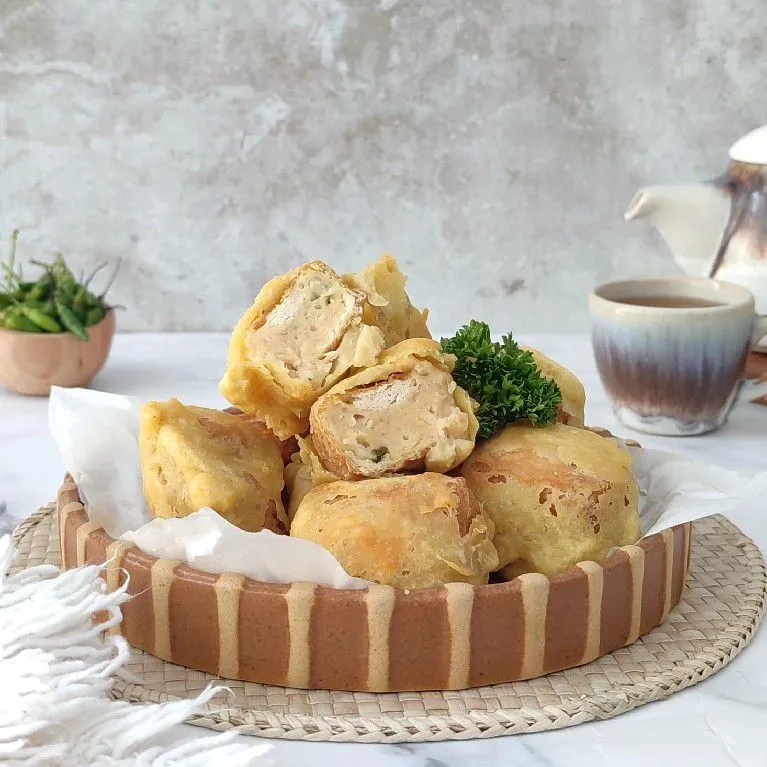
[{"x": 503, "y": 378}]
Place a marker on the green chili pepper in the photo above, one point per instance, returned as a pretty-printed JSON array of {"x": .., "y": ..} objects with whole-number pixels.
[
  {"x": 41, "y": 288},
  {"x": 69, "y": 288},
  {"x": 43, "y": 306},
  {"x": 85, "y": 301},
  {"x": 16, "y": 321},
  {"x": 45, "y": 321},
  {"x": 70, "y": 322},
  {"x": 66, "y": 286},
  {"x": 79, "y": 302},
  {"x": 94, "y": 316},
  {"x": 65, "y": 270},
  {"x": 65, "y": 280}
]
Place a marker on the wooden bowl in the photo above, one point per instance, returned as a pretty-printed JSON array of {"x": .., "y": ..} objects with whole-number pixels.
[
  {"x": 30, "y": 363},
  {"x": 381, "y": 639}
]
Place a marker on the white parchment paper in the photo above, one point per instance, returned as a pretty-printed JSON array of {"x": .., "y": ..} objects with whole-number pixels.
[{"x": 97, "y": 435}]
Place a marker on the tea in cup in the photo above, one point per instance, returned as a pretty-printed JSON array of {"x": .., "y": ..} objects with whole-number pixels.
[{"x": 671, "y": 351}]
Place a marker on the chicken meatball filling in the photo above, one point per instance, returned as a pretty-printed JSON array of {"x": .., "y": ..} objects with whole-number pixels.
[
  {"x": 408, "y": 421},
  {"x": 302, "y": 333}
]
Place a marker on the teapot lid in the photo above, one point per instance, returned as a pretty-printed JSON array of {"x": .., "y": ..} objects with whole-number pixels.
[{"x": 751, "y": 148}]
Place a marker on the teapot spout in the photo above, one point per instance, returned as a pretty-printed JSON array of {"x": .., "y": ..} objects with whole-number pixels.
[
  {"x": 644, "y": 203},
  {"x": 691, "y": 219}
]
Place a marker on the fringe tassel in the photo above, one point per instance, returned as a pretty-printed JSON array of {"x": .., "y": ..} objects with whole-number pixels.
[{"x": 56, "y": 669}]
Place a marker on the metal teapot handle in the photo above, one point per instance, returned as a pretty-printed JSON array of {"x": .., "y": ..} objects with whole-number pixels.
[{"x": 737, "y": 209}]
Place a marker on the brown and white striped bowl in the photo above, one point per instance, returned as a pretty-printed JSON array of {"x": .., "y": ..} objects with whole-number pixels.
[{"x": 382, "y": 639}]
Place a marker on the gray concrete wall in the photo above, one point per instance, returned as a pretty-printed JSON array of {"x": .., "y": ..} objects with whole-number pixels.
[{"x": 491, "y": 146}]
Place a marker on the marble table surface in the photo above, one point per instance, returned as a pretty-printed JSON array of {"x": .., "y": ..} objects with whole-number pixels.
[{"x": 716, "y": 723}]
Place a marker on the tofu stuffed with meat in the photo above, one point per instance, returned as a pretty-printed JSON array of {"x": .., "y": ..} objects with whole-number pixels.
[
  {"x": 303, "y": 333},
  {"x": 404, "y": 414}
]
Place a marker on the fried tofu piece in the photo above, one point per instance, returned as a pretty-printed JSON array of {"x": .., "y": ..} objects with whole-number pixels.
[
  {"x": 304, "y": 472},
  {"x": 298, "y": 482},
  {"x": 303, "y": 333},
  {"x": 557, "y": 495},
  {"x": 410, "y": 532},
  {"x": 287, "y": 446},
  {"x": 571, "y": 410},
  {"x": 405, "y": 414},
  {"x": 388, "y": 305},
  {"x": 194, "y": 457}
]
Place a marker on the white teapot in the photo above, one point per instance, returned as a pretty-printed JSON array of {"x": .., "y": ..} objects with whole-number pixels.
[{"x": 717, "y": 228}]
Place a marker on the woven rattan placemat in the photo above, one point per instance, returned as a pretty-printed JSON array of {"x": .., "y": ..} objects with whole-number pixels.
[{"x": 722, "y": 608}]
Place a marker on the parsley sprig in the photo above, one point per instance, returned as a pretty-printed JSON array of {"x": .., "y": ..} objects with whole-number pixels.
[{"x": 503, "y": 378}]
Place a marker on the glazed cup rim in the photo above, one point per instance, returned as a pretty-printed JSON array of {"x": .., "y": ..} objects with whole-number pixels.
[{"x": 728, "y": 295}]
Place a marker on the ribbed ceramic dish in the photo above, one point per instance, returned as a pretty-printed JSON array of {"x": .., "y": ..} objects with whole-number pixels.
[
  {"x": 720, "y": 610},
  {"x": 382, "y": 639}
]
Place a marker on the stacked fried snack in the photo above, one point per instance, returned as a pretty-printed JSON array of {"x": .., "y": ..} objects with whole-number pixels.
[
  {"x": 337, "y": 379},
  {"x": 194, "y": 457}
]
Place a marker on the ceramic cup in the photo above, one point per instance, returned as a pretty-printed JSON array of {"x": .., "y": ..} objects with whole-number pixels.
[{"x": 671, "y": 351}]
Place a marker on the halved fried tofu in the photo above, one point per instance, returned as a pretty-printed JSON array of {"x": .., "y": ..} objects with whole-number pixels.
[
  {"x": 404, "y": 414},
  {"x": 302, "y": 334},
  {"x": 388, "y": 305},
  {"x": 193, "y": 457}
]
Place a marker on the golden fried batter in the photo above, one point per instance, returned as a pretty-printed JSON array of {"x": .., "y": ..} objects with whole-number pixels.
[
  {"x": 573, "y": 393},
  {"x": 287, "y": 446},
  {"x": 193, "y": 457},
  {"x": 388, "y": 305},
  {"x": 410, "y": 531},
  {"x": 558, "y": 496},
  {"x": 302, "y": 334}
]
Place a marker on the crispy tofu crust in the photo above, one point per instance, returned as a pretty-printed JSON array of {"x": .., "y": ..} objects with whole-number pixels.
[
  {"x": 571, "y": 411},
  {"x": 557, "y": 495},
  {"x": 388, "y": 305},
  {"x": 287, "y": 446},
  {"x": 409, "y": 532},
  {"x": 304, "y": 472},
  {"x": 194, "y": 457}
]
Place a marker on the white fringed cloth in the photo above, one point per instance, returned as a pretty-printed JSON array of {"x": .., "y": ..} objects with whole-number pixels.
[{"x": 56, "y": 669}]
